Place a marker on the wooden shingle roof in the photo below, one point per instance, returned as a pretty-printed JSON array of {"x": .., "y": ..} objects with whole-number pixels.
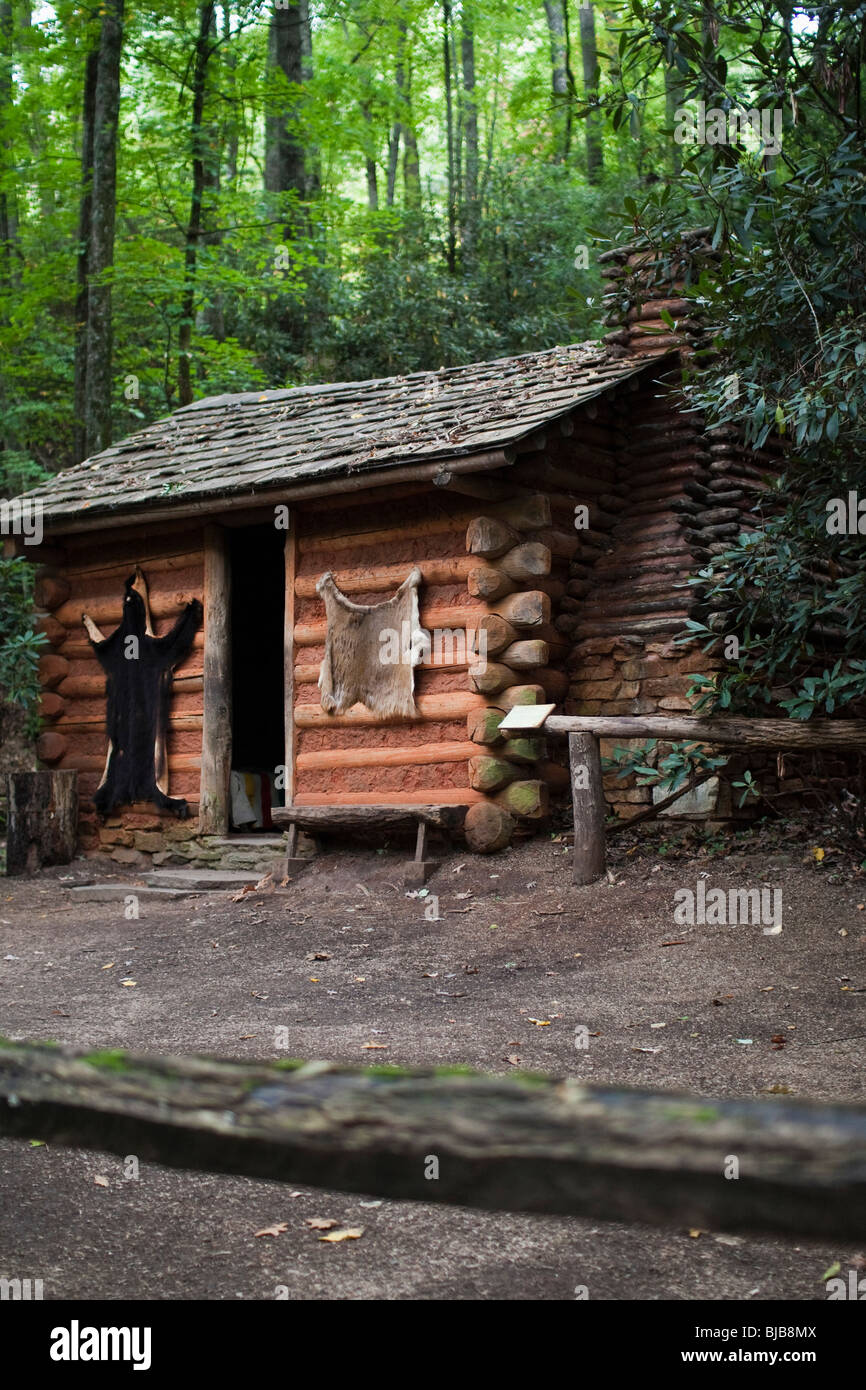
[{"x": 256, "y": 442}]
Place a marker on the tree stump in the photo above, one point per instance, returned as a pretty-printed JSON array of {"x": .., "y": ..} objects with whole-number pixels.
[{"x": 42, "y": 819}]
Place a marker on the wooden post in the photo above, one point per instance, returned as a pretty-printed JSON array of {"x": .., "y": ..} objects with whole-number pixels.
[
  {"x": 587, "y": 794},
  {"x": 289, "y": 659},
  {"x": 42, "y": 819},
  {"x": 216, "y": 747}
]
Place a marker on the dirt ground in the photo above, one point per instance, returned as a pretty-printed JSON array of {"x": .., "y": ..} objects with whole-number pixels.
[{"x": 509, "y": 961}]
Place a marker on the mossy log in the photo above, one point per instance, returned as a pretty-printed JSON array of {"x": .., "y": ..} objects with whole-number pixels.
[
  {"x": 526, "y": 800},
  {"x": 525, "y": 750},
  {"x": 488, "y": 774},
  {"x": 482, "y": 725},
  {"x": 522, "y": 1142},
  {"x": 521, "y": 695}
]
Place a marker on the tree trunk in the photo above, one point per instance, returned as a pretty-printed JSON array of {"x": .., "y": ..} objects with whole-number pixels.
[
  {"x": 7, "y": 196},
  {"x": 285, "y": 154},
  {"x": 451, "y": 253},
  {"x": 231, "y": 62},
  {"x": 469, "y": 210},
  {"x": 106, "y": 108},
  {"x": 589, "y": 56},
  {"x": 370, "y": 165},
  {"x": 555, "y": 10},
  {"x": 194, "y": 225}
]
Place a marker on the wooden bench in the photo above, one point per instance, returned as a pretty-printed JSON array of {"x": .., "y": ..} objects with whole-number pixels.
[{"x": 372, "y": 820}]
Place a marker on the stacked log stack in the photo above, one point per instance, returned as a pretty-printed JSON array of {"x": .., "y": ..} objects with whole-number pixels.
[{"x": 521, "y": 570}]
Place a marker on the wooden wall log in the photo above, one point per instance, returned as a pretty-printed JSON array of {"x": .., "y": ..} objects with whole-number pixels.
[
  {"x": 489, "y": 677},
  {"x": 451, "y": 704},
  {"x": 524, "y": 514},
  {"x": 489, "y": 537},
  {"x": 443, "y": 796},
  {"x": 416, "y": 755},
  {"x": 50, "y": 589},
  {"x": 53, "y": 630},
  {"x": 524, "y": 655},
  {"x": 51, "y": 705},
  {"x": 314, "y": 634},
  {"x": 488, "y": 827},
  {"x": 526, "y": 561},
  {"x": 530, "y": 694},
  {"x": 51, "y": 746},
  {"x": 526, "y": 800},
  {"x": 525, "y": 750},
  {"x": 384, "y": 578},
  {"x": 482, "y": 725},
  {"x": 52, "y": 670},
  {"x": 488, "y": 774},
  {"x": 486, "y": 582},
  {"x": 531, "y": 608}
]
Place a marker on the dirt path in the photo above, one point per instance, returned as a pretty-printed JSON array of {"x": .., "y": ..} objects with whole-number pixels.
[{"x": 517, "y": 962}]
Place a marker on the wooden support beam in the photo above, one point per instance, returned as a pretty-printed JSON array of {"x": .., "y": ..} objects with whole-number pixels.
[
  {"x": 216, "y": 748},
  {"x": 508, "y": 1143}
]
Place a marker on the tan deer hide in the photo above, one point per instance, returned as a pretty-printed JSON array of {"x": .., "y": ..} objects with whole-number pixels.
[{"x": 371, "y": 650}]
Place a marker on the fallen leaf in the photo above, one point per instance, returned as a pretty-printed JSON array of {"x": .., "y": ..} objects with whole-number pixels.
[
  {"x": 540, "y": 1022},
  {"x": 828, "y": 1273},
  {"x": 514, "y": 1060},
  {"x": 128, "y": 984},
  {"x": 109, "y": 966},
  {"x": 350, "y": 1233},
  {"x": 100, "y": 1182},
  {"x": 37, "y": 1143},
  {"x": 377, "y": 1047},
  {"x": 276, "y": 1230},
  {"x": 320, "y": 1223},
  {"x": 694, "y": 1233},
  {"x": 318, "y": 955}
]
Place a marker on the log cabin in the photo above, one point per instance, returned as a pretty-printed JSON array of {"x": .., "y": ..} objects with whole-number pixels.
[{"x": 554, "y": 505}]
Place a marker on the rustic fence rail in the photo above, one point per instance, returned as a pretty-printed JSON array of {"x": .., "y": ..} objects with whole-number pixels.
[
  {"x": 521, "y": 1142},
  {"x": 584, "y": 731}
]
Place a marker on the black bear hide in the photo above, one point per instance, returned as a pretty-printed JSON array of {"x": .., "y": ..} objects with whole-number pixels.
[{"x": 139, "y": 669}]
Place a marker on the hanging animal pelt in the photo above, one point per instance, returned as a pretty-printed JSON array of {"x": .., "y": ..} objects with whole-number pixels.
[
  {"x": 139, "y": 667},
  {"x": 371, "y": 650}
]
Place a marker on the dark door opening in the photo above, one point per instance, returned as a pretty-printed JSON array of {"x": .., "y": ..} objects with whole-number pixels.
[{"x": 258, "y": 716}]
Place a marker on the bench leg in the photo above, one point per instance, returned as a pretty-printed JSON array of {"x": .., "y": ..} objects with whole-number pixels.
[
  {"x": 291, "y": 863},
  {"x": 420, "y": 869}
]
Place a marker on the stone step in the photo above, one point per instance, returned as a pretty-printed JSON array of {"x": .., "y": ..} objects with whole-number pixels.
[
  {"x": 118, "y": 892},
  {"x": 201, "y": 880},
  {"x": 268, "y": 843}
]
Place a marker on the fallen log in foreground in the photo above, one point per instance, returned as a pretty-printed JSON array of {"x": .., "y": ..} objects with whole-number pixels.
[{"x": 515, "y": 1143}]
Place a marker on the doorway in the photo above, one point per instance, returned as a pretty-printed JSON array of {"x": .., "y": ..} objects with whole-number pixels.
[{"x": 258, "y": 579}]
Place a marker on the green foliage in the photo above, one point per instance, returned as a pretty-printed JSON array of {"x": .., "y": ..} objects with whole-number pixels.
[
  {"x": 20, "y": 644},
  {"x": 670, "y": 772}
]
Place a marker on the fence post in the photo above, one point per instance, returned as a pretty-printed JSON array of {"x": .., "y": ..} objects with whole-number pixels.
[{"x": 587, "y": 794}]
